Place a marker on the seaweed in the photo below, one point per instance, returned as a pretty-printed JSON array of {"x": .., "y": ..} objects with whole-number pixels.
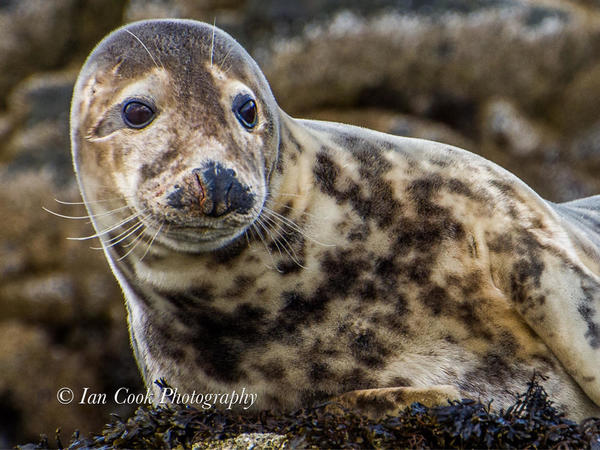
[{"x": 531, "y": 422}]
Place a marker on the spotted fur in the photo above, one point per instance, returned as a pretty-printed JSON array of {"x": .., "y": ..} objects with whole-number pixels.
[{"x": 361, "y": 265}]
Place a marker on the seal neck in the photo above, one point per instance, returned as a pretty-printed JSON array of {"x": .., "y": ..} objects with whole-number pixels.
[{"x": 292, "y": 181}]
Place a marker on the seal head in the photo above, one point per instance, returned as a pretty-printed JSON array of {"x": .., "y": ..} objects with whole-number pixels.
[{"x": 182, "y": 128}]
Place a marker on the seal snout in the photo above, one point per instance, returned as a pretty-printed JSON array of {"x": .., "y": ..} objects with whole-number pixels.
[
  {"x": 224, "y": 192},
  {"x": 213, "y": 190}
]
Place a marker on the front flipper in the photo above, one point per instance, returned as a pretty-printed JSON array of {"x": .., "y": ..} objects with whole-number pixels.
[{"x": 376, "y": 403}]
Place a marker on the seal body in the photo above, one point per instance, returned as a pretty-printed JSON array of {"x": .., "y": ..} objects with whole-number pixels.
[{"x": 305, "y": 260}]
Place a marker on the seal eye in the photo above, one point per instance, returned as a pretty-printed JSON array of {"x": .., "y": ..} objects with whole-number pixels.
[
  {"x": 137, "y": 114},
  {"x": 244, "y": 108}
]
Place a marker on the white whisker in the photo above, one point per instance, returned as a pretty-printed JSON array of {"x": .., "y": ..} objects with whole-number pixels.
[
  {"x": 260, "y": 235},
  {"x": 111, "y": 228},
  {"x": 225, "y": 58},
  {"x": 212, "y": 44},
  {"x": 152, "y": 241},
  {"x": 287, "y": 247},
  {"x": 90, "y": 202},
  {"x": 268, "y": 233},
  {"x": 136, "y": 241},
  {"x": 146, "y": 48},
  {"x": 89, "y": 216},
  {"x": 291, "y": 208},
  {"x": 288, "y": 222},
  {"x": 122, "y": 236}
]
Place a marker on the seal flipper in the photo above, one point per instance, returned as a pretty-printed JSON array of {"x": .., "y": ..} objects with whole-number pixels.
[
  {"x": 376, "y": 403},
  {"x": 555, "y": 286}
]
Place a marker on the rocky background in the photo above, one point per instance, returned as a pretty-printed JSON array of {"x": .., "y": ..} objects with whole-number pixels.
[{"x": 516, "y": 81}]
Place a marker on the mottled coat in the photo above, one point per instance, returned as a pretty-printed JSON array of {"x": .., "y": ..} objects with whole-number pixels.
[{"x": 336, "y": 259}]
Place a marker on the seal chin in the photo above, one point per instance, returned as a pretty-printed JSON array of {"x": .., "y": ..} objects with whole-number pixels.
[{"x": 196, "y": 240}]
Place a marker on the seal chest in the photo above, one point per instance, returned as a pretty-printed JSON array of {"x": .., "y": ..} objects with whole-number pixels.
[{"x": 304, "y": 260}]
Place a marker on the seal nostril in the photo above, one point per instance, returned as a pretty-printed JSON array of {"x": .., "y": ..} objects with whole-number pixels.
[{"x": 200, "y": 195}]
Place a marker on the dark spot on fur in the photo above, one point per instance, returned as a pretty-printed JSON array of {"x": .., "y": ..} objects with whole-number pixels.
[
  {"x": 421, "y": 192},
  {"x": 356, "y": 378},
  {"x": 220, "y": 339},
  {"x": 525, "y": 275},
  {"x": 436, "y": 298},
  {"x": 471, "y": 283},
  {"x": 343, "y": 269},
  {"x": 186, "y": 298},
  {"x": 279, "y": 165},
  {"x": 502, "y": 186},
  {"x": 326, "y": 172},
  {"x": 228, "y": 255},
  {"x": 399, "y": 382},
  {"x": 272, "y": 370},
  {"x": 164, "y": 344},
  {"x": 418, "y": 271},
  {"x": 593, "y": 331},
  {"x": 467, "y": 314},
  {"x": 298, "y": 310},
  {"x": 443, "y": 163},
  {"x": 456, "y": 186},
  {"x": 153, "y": 169},
  {"x": 240, "y": 285},
  {"x": 367, "y": 349},
  {"x": 313, "y": 396},
  {"x": 501, "y": 243},
  {"x": 367, "y": 291},
  {"x": 318, "y": 371},
  {"x": 380, "y": 205},
  {"x": 374, "y": 403},
  {"x": 291, "y": 139},
  {"x": 359, "y": 232},
  {"x": 493, "y": 372}
]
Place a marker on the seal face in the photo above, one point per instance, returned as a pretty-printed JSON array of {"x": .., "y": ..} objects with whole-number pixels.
[{"x": 303, "y": 260}]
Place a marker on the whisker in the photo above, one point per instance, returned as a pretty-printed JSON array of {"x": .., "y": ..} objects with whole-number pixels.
[
  {"x": 225, "y": 58},
  {"x": 291, "y": 208},
  {"x": 152, "y": 241},
  {"x": 136, "y": 241},
  {"x": 111, "y": 228},
  {"x": 89, "y": 216},
  {"x": 294, "y": 226},
  {"x": 260, "y": 235},
  {"x": 152, "y": 222},
  {"x": 287, "y": 247},
  {"x": 122, "y": 236},
  {"x": 212, "y": 44},
  {"x": 89, "y": 202},
  {"x": 268, "y": 232},
  {"x": 146, "y": 48}
]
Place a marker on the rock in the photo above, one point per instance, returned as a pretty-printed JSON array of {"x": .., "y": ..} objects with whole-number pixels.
[
  {"x": 577, "y": 108},
  {"x": 39, "y": 139},
  {"x": 40, "y": 35},
  {"x": 33, "y": 369},
  {"x": 248, "y": 441},
  {"x": 56, "y": 295},
  {"x": 505, "y": 126}
]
